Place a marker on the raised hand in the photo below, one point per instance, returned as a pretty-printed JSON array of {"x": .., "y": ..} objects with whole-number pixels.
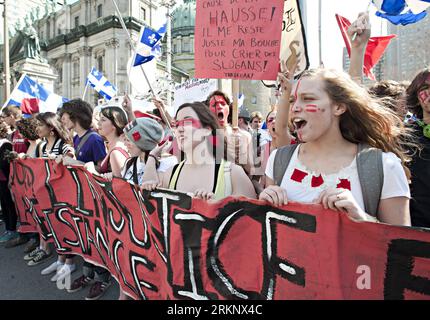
[
  {"x": 127, "y": 106},
  {"x": 359, "y": 31}
]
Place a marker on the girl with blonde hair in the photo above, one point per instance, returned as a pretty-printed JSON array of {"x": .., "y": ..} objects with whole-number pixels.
[{"x": 339, "y": 126}]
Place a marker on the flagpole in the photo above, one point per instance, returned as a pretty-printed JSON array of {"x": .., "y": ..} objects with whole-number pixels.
[
  {"x": 121, "y": 20},
  {"x": 151, "y": 90},
  {"x": 85, "y": 91},
  {"x": 17, "y": 85}
]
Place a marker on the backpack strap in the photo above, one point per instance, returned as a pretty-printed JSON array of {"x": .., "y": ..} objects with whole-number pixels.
[
  {"x": 84, "y": 140},
  {"x": 371, "y": 175},
  {"x": 282, "y": 160},
  {"x": 123, "y": 152}
]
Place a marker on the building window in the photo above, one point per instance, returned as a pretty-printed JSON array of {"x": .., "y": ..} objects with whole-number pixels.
[
  {"x": 48, "y": 30},
  {"x": 76, "y": 70},
  {"x": 175, "y": 47},
  {"x": 100, "y": 63},
  {"x": 76, "y": 21},
  {"x": 99, "y": 11},
  {"x": 58, "y": 31},
  {"x": 60, "y": 75},
  {"x": 186, "y": 46},
  {"x": 143, "y": 13},
  {"x": 254, "y": 100}
]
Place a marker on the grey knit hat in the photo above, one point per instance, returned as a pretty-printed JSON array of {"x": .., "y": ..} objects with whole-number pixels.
[{"x": 145, "y": 133}]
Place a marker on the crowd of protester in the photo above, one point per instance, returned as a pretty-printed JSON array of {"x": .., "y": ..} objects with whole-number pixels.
[{"x": 329, "y": 140}]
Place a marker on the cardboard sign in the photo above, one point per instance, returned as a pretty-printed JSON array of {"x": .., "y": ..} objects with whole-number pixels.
[
  {"x": 166, "y": 245},
  {"x": 238, "y": 39}
]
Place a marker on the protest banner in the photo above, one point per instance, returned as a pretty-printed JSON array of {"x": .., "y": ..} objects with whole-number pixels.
[
  {"x": 193, "y": 90},
  {"x": 238, "y": 39},
  {"x": 166, "y": 245}
]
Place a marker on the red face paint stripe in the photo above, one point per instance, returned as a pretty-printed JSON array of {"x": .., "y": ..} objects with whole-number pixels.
[
  {"x": 423, "y": 95},
  {"x": 311, "y": 108}
]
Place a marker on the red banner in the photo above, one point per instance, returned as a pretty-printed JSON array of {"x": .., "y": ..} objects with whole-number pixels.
[
  {"x": 238, "y": 39},
  {"x": 165, "y": 245}
]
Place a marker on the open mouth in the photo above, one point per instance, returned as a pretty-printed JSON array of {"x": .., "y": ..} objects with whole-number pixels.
[
  {"x": 220, "y": 116},
  {"x": 299, "y": 123}
]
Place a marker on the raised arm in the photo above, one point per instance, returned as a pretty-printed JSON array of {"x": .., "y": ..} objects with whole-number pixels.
[
  {"x": 359, "y": 30},
  {"x": 126, "y": 104},
  {"x": 281, "y": 125}
]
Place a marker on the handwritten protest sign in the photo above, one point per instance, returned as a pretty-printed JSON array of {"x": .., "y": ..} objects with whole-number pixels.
[
  {"x": 238, "y": 39},
  {"x": 167, "y": 245},
  {"x": 193, "y": 90}
]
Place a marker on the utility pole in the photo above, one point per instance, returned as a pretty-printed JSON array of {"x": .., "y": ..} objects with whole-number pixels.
[{"x": 6, "y": 66}]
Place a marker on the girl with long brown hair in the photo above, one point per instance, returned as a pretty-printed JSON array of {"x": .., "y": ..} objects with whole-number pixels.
[
  {"x": 336, "y": 120},
  {"x": 200, "y": 137}
]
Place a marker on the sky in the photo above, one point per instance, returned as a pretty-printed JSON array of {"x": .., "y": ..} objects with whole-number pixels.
[{"x": 332, "y": 42}]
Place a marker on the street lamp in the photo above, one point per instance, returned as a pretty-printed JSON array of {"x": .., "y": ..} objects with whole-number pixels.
[{"x": 6, "y": 66}]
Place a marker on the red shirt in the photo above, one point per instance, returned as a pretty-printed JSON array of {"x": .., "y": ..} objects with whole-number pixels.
[{"x": 20, "y": 145}]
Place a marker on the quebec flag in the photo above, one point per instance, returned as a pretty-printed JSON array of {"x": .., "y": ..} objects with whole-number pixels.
[
  {"x": 149, "y": 45},
  {"x": 402, "y": 11},
  {"x": 27, "y": 88},
  {"x": 101, "y": 84}
]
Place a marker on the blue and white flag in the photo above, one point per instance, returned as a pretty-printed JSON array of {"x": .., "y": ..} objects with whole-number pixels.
[
  {"x": 27, "y": 88},
  {"x": 402, "y": 11},
  {"x": 149, "y": 44},
  {"x": 101, "y": 84},
  {"x": 240, "y": 100}
]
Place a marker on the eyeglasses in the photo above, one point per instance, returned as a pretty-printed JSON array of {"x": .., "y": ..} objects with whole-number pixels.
[{"x": 194, "y": 123}]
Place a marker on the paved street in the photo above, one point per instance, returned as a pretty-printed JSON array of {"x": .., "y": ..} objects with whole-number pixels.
[{"x": 21, "y": 282}]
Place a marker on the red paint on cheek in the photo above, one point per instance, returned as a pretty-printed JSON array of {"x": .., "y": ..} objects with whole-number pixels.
[
  {"x": 311, "y": 108},
  {"x": 424, "y": 95}
]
